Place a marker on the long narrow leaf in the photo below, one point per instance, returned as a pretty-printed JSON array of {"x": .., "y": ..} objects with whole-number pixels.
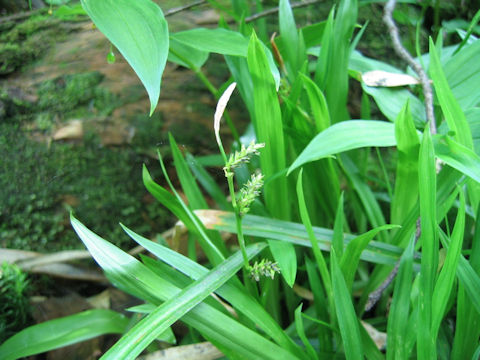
[
  {"x": 399, "y": 309},
  {"x": 344, "y": 136},
  {"x": 347, "y": 319},
  {"x": 144, "y": 332},
  {"x": 258, "y": 226},
  {"x": 406, "y": 180},
  {"x": 427, "y": 185},
  {"x": 445, "y": 281},
  {"x": 130, "y": 275},
  {"x": 53, "y": 334},
  {"x": 351, "y": 257},
  {"x": 235, "y": 296}
]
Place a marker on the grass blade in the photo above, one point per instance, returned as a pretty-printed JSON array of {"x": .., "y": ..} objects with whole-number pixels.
[
  {"x": 179, "y": 209},
  {"x": 350, "y": 259},
  {"x": 301, "y": 333},
  {"x": 400, "y": 308},
  {"x": 444, "y": 285},
  {"x": 268, "y": 129},
  {"x": 64, "y": 331},
  {"x": 426, "y": 346},
  {"x": 406, "y": 179},
  {"x": 131, "y": 276},
  {"x": 208, "y": 183},
  {"x": 144, "y": 332},
  {"x": 263, "y": 227},
  {"x": 344, "y": 136},
  {"x": 189, "y": 186},
  {"x": 347, "y": 319},
  {"x": 242, "y": 302}
]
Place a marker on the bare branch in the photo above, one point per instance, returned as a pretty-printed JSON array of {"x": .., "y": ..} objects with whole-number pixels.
[
  {"x": 275, "y": 10},
  {"x": 405, "y": 55},
  {"x": 175, "y": 10},
  {"x": 377, "y": 294}
]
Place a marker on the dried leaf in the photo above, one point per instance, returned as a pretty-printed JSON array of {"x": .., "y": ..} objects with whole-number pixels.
[{"x": 380, "y": 78}]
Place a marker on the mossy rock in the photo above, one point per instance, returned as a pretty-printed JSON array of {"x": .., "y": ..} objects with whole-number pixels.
[
  {"x": 41, "y": 184},
  {"x": 27, "y": 42}
]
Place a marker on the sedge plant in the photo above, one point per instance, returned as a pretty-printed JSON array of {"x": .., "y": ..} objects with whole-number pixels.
[{"x": 335, "y": 224}]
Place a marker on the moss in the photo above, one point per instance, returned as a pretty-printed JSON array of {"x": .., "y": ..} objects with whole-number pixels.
[
  {"x": 70, "y": 92},
  {"x": 27, "y": 41},
  {"x": 15, "y": 311},
  {"x": 40, "y": 185}
]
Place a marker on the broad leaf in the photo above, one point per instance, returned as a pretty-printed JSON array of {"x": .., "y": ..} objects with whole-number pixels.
[{"x": 139, "y": 31}]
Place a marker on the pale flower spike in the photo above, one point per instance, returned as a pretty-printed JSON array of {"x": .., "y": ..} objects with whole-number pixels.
[{"x": 221, "y": 105}]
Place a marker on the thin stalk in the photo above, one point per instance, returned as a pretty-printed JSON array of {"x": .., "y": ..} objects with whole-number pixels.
[{"x": 238, "y": 219}]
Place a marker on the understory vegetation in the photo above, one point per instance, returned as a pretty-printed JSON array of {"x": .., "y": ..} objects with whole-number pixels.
[{"x": 345, "y": 222}]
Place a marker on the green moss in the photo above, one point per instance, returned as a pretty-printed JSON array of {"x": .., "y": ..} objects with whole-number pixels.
[
  {"x": 41, "y": 184},
  {"x": 70, "y": 92},
  {"x": 27, "y": 41},
  {"x": 14, "y": 305}
]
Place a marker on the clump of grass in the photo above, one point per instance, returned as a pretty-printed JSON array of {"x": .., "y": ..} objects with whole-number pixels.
[{"x": 14, "y": 303}]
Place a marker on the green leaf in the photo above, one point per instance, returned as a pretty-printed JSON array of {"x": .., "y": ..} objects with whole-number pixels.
[
  {"x": 139, "y": 31},
  {"x": 131, "y": 276},
  {"x": 179, "y": 51},
  {"x": 371, "y": 207},
  {"x": 347, "y": 319},
  {"x": 212, "y": 250},
  {"x": 351, "y": 257},
  {"x": 264, "y": 227},
  {"x": 319, "y": 258},
  {"x": 399, "y": 309},
  {"x": 144, "y": 332},
  {"x": 463, "y": 74},
  {"x": 54, "y": 334},
  {"x": 337, "y": 241},
  {"x": 318, "y": 104},
  {"x": 284, "y": 255},
  {"x": 467, "y": 322},
  {"x": 445, "y": 281},
  {"x": 241, "y": 301},
  {"x": 406, "y": 181},
  {"x": 451, "y": 109},
  {"x": 344, "y": 136},
  {"x": 220, "y": 41},
  {"x": 268, "y": 129},
  {"x": 301, "y": 333},
  {"x": 458, "y": 156},
  {"x": 427, "y": 187},
  {"x": 336, "y": 78},
  {"x": 208, "y": 183},
  {"x": 189, "y": 186},
  {"x": 289, "y": 38}
]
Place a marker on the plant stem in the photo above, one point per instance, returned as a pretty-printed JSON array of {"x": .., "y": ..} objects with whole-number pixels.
[{"x": 238, "y": 219}]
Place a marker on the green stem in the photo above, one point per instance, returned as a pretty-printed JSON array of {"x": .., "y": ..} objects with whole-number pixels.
[{"x": 238, "y": 219}]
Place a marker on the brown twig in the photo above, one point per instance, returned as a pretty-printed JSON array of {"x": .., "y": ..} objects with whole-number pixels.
[
  {"x": 377, "y": 294},
  {"x": 22, "y": 15},
  {"x": 276, "y": 9},
  {"x": 405, "y": 55},
  {"x": 176, "y": 10},
  {"x": 428, "y": 95}
]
